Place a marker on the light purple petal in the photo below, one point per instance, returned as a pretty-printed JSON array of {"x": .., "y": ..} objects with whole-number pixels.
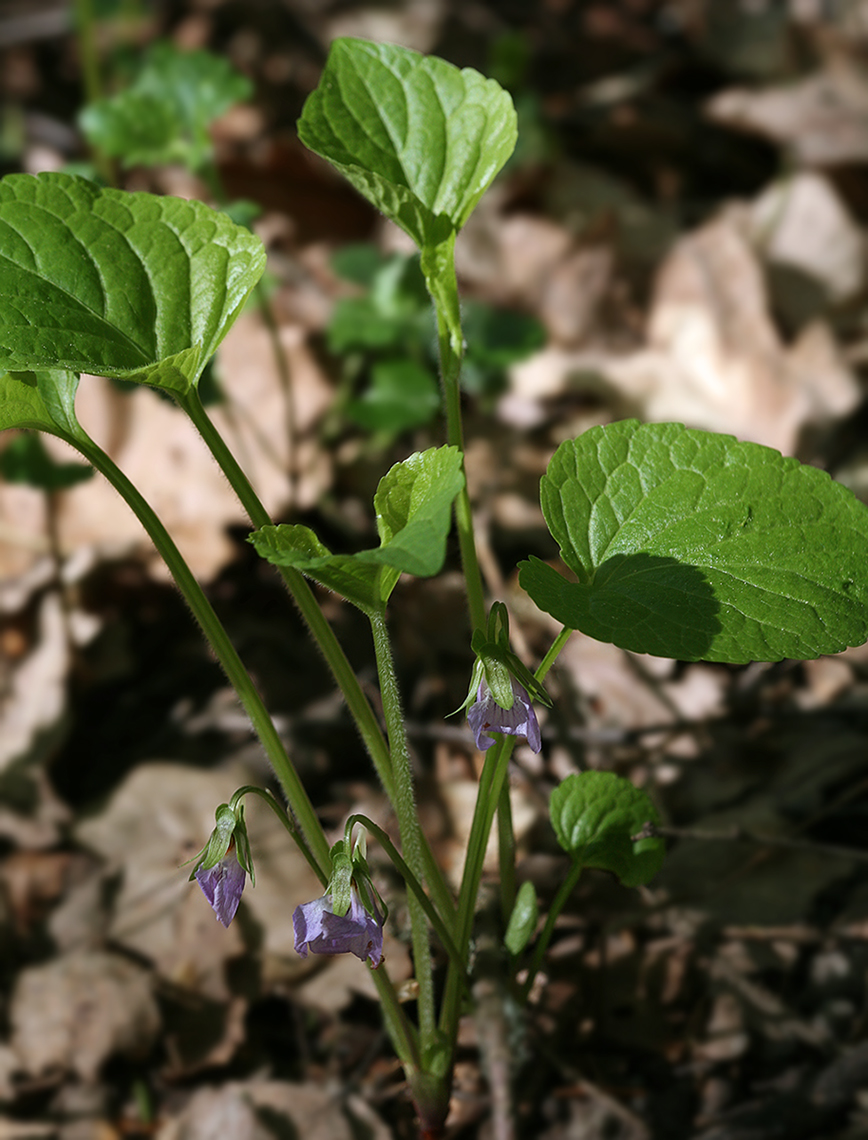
[
  {"x": 319, "y": 930},
  {"x": 486, "y": 716},
  {"x": 223, "y": 885}
]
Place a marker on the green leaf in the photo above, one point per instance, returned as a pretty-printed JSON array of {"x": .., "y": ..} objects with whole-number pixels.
[
  {"x": 595, "y": 815},
  {"x": 693, "y": 545},
  {"x": 40, "y": 401},
  {"x": 402, "y": 395},
  {"x": 164, "y": 115},
  {"x": 522, "y": 921},
  {"x": 349, "y": 575},
  {"x": 117, "y": 284},
  {"x": 26, "y": 460},
  {"x": 419, "y": 138},
  {"x": 413, "y": 504}
]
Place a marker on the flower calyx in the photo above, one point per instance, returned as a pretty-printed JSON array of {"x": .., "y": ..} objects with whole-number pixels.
[
  {"x": 222, "y": 866},
  {"x": 349, "y": 917}
]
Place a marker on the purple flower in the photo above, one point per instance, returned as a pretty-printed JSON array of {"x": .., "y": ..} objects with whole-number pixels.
[
  {"x": 222, "y": 885},
  {"x": 318, "y": 929},
  {"x": 487, "y": 716}
]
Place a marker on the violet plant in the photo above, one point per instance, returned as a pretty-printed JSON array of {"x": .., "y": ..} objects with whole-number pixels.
[{"x": 678, "y": 542}]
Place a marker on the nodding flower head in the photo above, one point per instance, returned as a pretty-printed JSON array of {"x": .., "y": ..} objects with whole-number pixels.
[
  {"x": 319, "y": 930},
  {"x": 223, "y": 864},
  {"x": 486, "y": 716}
]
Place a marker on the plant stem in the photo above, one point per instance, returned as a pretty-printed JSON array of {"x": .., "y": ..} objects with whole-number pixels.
[
  {"x": 404, "y": 803},
  {"x": 564, "y": 891},
  {"x": 287, "y": 821},
  {"x": 491, "y": 783},
  {"x": 413, "y": 883},
  {"x": 221, "y": 645},
  {"x": 438, "y": 265},
  {"x": 506, "y": 853},
  {"x": 321, "y": 632}
]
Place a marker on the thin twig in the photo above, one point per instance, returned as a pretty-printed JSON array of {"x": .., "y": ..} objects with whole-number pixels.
[{"x": 738, "y": 834}]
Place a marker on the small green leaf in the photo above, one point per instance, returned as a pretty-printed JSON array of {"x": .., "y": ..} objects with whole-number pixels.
[
  {"x": 413, "y": 504},
  {"x": 522, "y": 921},
  {"x": 693, "y": 545},
  {"x": 164, "y": 115},
  {"x": 26, "y": 460},
  {"x": 348, "y": 575},
  {"x": 595, "y": 815},
  {"x": 117, "y": 284},
  {"x": 419, "y": 138},
  {"x": 402, "y": 395},
  {"x": 40, "y": 401}
]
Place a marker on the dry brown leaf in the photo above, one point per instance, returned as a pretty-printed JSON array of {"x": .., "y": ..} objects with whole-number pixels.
[
  {"x": 714, "y": 359},
  {"x": 73, "y": 1013},
  {"x": 823, "y": 118},
  {"x": 260, "y": 1110},
  {"x": 801, "y": 223},
  {"x": 33, "y": 706}
]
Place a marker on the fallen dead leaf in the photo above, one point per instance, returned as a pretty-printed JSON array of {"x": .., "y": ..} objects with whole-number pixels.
[
  {"x": 261, "y": 1110},
  {"x": 823, "y": 119},
  {"x": 73, "y": 1013},
  {"x": 801, "y": 223}
]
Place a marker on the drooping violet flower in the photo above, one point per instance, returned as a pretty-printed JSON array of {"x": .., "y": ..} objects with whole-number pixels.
[
  {"x": 222, "y": 885},
  {"x": 319, "y": 930},
  {"x": 486, "y": 716}
]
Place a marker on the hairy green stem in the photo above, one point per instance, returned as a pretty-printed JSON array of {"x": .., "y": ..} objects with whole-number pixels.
[
  {"x": 404, "y": 803},
  {"x": 438, "y": 265},
  {"x": 321, "y": 632},
  {"x": 491, "y": 783},
  {"x": 221, "y": 645}
]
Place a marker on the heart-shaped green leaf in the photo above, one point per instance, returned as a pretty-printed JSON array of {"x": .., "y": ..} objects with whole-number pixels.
[
  {"x": 413, "y": 504},
  {"x": 419, "y": 138},
  {"x": 117, "y": 284},
  {"x": 596, "y": 814},
  {"x": 693, "y": 545}
]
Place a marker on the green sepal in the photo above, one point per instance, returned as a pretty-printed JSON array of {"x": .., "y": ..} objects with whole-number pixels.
[
  {"x": 229, "y": 828},
  {"x": 341, "y": 881},
  {"x": 523, "y": 920}
]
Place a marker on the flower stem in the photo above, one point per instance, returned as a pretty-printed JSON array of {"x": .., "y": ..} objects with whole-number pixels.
[
  {"x": 404, "y": 803},
  {"x": 220, "y": 643},
  {"x": 414, "y": 884},
  {"x": 438, "y": 265},
  {"x": 302, "y": 595},
  {"x": 564, "y": 891},
  {"x": 287, "y": 821}
]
